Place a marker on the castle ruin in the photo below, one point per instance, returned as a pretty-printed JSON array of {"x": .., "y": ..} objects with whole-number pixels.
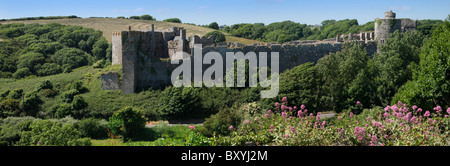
[
  {"x": 388, "y": 25},
  {"x": 145, "y": 55}
]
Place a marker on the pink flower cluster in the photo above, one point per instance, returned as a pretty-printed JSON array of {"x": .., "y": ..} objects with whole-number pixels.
[{"x": 359, "y": 132}]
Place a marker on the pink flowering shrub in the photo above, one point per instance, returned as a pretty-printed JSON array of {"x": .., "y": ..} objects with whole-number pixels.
[{"x": 396, "y": 125}]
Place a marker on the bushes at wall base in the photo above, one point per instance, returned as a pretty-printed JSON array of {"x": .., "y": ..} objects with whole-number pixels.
[
  {"x": 45, "y": 132},
  {"x": 127, "y": 123}
]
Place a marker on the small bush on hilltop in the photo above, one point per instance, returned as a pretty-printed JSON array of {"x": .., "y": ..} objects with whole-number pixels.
[{"x": 218, "y": 36}]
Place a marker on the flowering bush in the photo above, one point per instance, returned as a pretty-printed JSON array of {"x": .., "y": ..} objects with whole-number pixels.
[{"x": 396, "y": 125}]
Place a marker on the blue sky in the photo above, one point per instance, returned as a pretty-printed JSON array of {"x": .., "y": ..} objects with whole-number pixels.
[{"x": 231, "y": 11}]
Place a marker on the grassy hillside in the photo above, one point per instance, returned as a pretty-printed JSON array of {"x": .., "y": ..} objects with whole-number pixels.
[
  {"x": 101, "y": 103},
  {"x": 110, "y": 25}
]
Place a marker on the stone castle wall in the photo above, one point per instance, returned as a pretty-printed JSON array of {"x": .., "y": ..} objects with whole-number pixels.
[
  {"x": 117, "y": 48},
  {"x": 144, "y": 55},
  {"x": 154, "y": 72}
]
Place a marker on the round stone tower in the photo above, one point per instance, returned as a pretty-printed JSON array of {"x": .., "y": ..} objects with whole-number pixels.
[
  {"x": 385, "y": 26},
  {"x": 389, "y": 15}
]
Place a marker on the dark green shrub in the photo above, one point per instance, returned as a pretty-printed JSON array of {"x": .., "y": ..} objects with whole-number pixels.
[
  {"x": 99, "y": 64},
  {"x": 78, "y": 103},
  {"x": 81, "y": 142},
  {"x": 213, "y": 25},
  {"x": 11, "y": 127},
  {"x": 174, "y": 20},
  {"x": 15, "y": 94},
  {"x": 47, "y": 93},
  {"x": 299, "y": 85},
  {"x": 127, "y": 123},
  {"x": 30, "y": 60},
  {"x": 10, "y": 107},
  {"x": 78, "y": 85},
  {"x": 31, "y": 103},
  {"x": 46, "y": 84},
  {"x": 99, "y": 49},
  {"x": 71, "y": 58},
  {"x": 219, "y": 124},
  {"x": 146, "y": 17},
  {"x": 22, "y": 73},
  {"x": 49, "y": 69},
  {"x": 62, "y": 110},
  {"x": 68, "y": 96},
  {"x": 218, "y": 36},
  {"x": 178, "y": 103},
  {"x": 93, "y": 128},
  {"x": 135, "y": 17},
  {"x": 46, "y": 133}
]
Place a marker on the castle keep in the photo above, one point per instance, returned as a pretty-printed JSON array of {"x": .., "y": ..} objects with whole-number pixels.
[
  {"x": 383, "y": 27},
  {"x": 145, "y": 55}
]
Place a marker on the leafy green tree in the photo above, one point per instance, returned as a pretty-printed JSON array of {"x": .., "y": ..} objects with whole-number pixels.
[
  {"x": 30, "y": 60},
  {"x": 31, "y": 103},
  {"x": 146, "y": 17},
  {"x": 174, "y": 20},
  {"x": 135, "y": 17},
  {"x": 22, "y": 73},
  {"x": 127, "y": 123},
  {"x": 338, "y": 71},
  {"x": 99, "y": 49},
  {"x": 71, "y": 57},
  {"x": 300, "y": 85},
  {"x": 430, "y": 85},
  {"x": 218, "y": 36},
  {"x": 213, "y": 25},
  {"x": 93, "y": 128},
  {"x": 428, "y": 26},
  {"x": 394, "y": 62}
]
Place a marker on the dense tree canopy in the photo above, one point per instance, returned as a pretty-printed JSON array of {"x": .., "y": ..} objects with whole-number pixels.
[
  {"x": 287, "y": 30},
  {"x": 430, "y": 84},
  {"x": 42, "y": 50}
]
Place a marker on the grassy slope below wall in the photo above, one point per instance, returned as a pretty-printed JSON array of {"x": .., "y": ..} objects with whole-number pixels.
[
  {"x": 110, "y": 25},
  {"x": 101, "y": 104}
]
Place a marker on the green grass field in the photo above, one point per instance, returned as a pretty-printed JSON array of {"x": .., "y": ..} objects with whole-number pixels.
[{"x": 159, "y": 132}]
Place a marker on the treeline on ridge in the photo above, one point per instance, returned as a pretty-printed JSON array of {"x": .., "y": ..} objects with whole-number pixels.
[{"x": 288, "y": 30}]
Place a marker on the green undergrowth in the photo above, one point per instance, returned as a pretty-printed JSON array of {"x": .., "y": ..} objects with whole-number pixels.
[{"x": 101, "y": 103}]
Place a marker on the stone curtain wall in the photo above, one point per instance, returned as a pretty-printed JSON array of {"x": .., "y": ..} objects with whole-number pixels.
[
  {"x": 156, "y": 73},
  {"x": 145, "y": 63}
]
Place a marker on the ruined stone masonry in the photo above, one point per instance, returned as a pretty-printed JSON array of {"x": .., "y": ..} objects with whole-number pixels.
[
  {"x": 144, "y": 55},
  {"x": 383, "y": 27}
]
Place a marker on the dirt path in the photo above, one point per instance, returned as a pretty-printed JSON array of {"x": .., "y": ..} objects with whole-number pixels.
[
  {"x": 327, "y": 115},
  {"x": 195, "y": 122}
]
